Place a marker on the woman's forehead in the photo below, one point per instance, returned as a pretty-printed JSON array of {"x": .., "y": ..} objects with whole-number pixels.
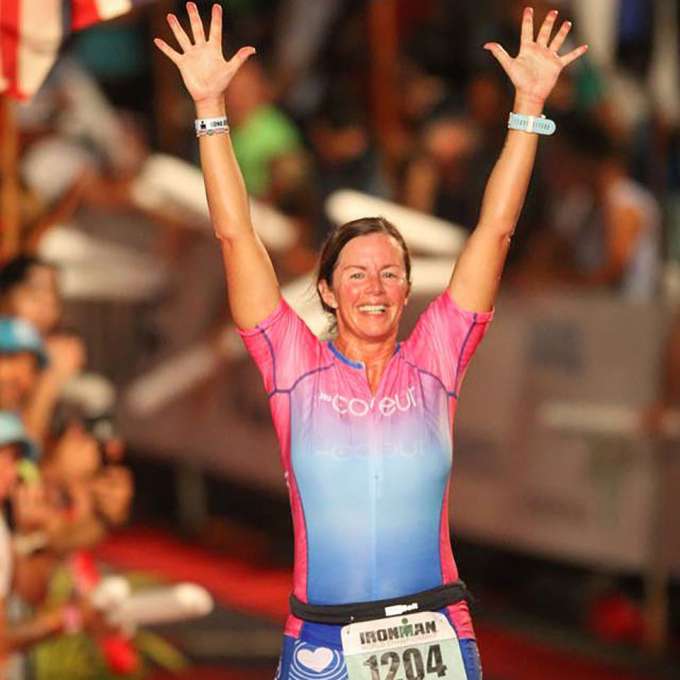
[{"x": 374, "y": 248}]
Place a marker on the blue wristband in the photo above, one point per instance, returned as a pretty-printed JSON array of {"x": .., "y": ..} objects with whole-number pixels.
[{"x": 538, "y": 125}]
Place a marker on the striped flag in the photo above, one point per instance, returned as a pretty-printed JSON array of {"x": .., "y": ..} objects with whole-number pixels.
[{"x": 32, "y": 31}]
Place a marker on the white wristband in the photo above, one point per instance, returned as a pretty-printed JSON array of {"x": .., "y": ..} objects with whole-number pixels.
[
  {"x": 211, "y": 126},
  {"x": 538, "y": 125}
]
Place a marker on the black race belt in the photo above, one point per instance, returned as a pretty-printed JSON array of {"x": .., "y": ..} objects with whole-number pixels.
[{"x": 343, "y": 614}]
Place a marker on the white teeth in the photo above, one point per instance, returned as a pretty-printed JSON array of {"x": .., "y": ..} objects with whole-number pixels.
[{"x": 372, "y": 309}]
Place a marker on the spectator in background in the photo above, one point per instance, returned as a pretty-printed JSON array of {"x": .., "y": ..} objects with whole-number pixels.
[
  {"x": 86, "y": 492},
  {"x": 422, "y": 95},
  {"x": 608, "y": 223},
  {"x": 440, "y": 179},
  {"x": 22, "y": 357},
  {"x": 345, "y": 153},
  {"x": 487, "y": 99},
  {"x": 261, "y": 132},
  {"x": 29, "y": 291}
]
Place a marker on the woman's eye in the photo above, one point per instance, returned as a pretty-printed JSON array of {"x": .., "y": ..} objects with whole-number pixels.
[{"x": 356, "y": 275}]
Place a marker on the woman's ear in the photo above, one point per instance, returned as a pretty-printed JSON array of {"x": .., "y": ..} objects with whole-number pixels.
[{"x": 327, "y": 294}]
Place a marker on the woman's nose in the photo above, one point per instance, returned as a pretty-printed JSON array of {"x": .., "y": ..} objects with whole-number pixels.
[{"x": 375, "y": 282}]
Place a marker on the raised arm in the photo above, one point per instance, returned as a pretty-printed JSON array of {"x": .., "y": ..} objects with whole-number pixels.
[
  {"x": 251, "y": 282},
  {"x": 534, "y": 72}
]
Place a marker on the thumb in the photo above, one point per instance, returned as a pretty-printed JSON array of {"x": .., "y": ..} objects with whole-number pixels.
[
  {"x": 501, "y": 55},
  {"x": 242, "y": 56}
]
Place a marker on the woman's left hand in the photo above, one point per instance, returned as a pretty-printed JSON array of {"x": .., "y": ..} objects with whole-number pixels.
[{"x": 535, "y": 70}]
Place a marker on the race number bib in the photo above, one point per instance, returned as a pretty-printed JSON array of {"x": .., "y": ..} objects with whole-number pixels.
[{"x": 421, "y": 646}]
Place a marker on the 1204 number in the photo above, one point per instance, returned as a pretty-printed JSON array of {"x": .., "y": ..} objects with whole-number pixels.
[{"x": 412, "y": 660}]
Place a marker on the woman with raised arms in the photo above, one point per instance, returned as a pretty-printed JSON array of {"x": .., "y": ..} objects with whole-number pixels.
[{"x": 364, "y": 422}]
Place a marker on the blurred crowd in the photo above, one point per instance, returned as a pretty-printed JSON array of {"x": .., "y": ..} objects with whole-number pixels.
[
  {"x": 63, "y": 484},
  {"x": 409, "y": 109},
  {"x": 305, "y": 122},
  {"x": 307, "y": 119},
  {"x": 603, "y": 184}
]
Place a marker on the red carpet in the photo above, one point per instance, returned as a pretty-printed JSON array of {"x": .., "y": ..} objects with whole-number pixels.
[{"x": 255, "y": 590}]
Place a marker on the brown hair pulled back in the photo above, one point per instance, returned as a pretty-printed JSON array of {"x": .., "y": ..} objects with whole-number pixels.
[{"x": 342, "y": 235}]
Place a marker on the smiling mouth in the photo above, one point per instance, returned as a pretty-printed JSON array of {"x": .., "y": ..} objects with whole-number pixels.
[{"x": 373, "y": 309}]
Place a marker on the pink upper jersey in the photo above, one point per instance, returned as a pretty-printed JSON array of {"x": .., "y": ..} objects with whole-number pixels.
[{"x": 368, "y": 474}]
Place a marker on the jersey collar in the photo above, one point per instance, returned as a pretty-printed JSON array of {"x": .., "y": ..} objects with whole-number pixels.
[{"x": 351, "y": 362}]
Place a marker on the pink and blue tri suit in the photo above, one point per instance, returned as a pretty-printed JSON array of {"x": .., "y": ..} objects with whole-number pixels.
[{"x": 368, "y": 474}]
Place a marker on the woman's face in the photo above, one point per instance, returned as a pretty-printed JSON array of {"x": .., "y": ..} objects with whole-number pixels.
[
  {"x": 75, "y": 456},
  {"x": 37, "y": 299},
  {"x": 369, "y": 289},
  {"x": 18, "y": 376}
]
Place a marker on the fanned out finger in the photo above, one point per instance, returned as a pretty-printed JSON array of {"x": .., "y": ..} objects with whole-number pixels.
[
  {"x": 528, "y": 25},
  {"x": 196, "y": 23},
  {"x": 215, "y": 34},
  {"x": 573, "y": 55},
  {"x": 546, "y": 28},
  {"x": 173, "y": 55},
  {"x": 561, "y": 36},
  {"x": 501, "y": 55},
  {"x": 179, "y": 33}
]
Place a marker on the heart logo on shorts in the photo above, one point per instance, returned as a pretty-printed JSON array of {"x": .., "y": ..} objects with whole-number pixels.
[{"x": 317, "y": 660}]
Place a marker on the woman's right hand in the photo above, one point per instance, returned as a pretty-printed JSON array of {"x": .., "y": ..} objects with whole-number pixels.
[{"x": 205, "y": 71}]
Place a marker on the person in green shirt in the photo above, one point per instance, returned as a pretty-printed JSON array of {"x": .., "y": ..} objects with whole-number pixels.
[{"x": 261, "y": 133}]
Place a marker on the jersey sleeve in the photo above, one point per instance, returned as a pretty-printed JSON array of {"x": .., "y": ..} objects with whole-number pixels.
[
  {"x": 444, "y": 339},
  {"x": 283, "y": 348}
]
